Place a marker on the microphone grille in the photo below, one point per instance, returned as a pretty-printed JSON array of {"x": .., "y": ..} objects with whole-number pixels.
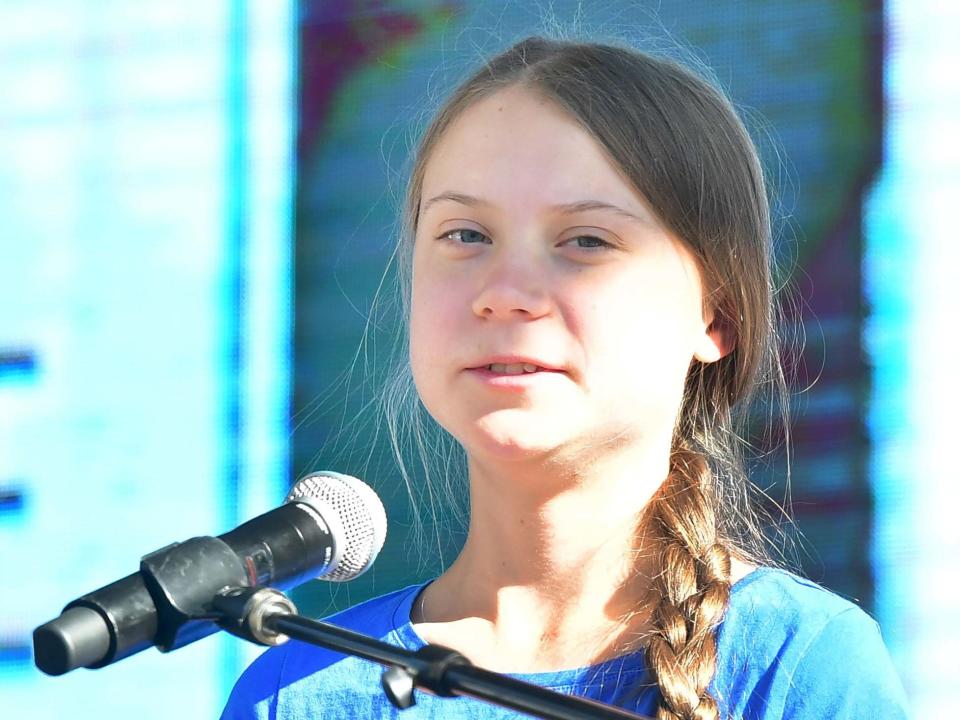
[{"x": 359, "y": 510}]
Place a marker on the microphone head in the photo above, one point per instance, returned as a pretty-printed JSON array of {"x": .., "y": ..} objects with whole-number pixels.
[{"x": 359, "y": 511}]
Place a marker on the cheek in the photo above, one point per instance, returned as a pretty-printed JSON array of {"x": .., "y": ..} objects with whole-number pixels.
[
  {"x": 431, "y": 326},
  {"x": 422, "y": 329},
  {"x": 641, "y": 335},
  {"x": 434, "y": 325}
]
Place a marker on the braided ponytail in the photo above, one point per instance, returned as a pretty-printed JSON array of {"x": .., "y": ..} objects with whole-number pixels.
[{"x": 694, "y": 590}]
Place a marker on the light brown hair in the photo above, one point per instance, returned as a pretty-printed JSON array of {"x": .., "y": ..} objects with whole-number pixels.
[{"x": 681, "y": 144}]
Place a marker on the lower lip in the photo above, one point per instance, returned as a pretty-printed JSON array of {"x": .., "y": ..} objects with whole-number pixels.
[{"x": 511, "y": 382}]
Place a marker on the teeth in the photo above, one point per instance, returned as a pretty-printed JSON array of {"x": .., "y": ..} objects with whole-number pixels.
[{"x": 515, "y": 369}]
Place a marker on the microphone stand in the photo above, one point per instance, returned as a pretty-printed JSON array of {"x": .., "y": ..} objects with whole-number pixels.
[{"x": 267, "y": 617}]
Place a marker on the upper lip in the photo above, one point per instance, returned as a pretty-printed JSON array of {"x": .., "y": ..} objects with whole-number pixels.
[{"x": 516, "y": 360}]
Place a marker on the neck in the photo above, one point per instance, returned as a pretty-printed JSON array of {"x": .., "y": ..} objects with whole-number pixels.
[
  {"x": 554, "y": 555},
  {"x": 531, "y": 528}
]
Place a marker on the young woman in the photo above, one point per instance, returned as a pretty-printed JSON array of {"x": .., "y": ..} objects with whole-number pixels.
[{"x": 588, "y": 276}]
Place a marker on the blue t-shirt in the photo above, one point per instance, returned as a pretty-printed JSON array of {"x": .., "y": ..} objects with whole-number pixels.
[{"x": 787, "y": 648}]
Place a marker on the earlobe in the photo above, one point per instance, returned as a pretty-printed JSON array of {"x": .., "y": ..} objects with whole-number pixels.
[{"x": 717, "y": 341}]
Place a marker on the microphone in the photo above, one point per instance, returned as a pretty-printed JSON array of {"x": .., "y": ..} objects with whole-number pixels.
[{"x": 331, "y": 526}]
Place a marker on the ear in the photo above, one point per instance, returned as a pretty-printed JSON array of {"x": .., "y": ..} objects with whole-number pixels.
[{"x": 717, "y": 340}]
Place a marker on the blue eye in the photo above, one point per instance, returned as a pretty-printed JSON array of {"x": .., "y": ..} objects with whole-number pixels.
[
  {"x": 589, "y": 241},
  {"x": 465, "y": 236}
]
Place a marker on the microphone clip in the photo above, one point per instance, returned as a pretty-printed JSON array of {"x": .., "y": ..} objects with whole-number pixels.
[
  {"x": 427, "y": 670},
  {"x": 243, "y": 611}
]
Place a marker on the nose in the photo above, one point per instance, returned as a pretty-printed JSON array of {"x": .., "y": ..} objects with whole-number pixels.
[{"x": 513, "y": 289}]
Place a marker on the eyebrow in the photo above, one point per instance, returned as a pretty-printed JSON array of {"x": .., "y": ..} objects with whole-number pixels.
[{"x": 564, "y": 208}]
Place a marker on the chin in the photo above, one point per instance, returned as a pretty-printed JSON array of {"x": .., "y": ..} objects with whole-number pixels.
[
  {"x": 524, "y": 439},
  {"x": 510, "y": 452}
]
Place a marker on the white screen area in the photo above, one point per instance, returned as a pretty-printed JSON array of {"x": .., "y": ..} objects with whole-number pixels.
[
  {"x": 910, "y": 271},
  {"x": 145, "y": 197}
]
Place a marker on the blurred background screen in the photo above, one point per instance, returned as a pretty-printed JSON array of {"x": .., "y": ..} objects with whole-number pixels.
[{"x": 198, "y": 204}]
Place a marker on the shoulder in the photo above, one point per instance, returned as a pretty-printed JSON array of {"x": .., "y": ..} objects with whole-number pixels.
[
  {"x": 790, "y": 648},
  {"x": 282, "y": 674},
  {"x": 379, "y": 616},
  {"x": 777, "y": 600}
]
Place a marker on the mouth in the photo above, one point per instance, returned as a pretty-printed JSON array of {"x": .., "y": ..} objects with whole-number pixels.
[
  {"x": 513, "y": 368},
  {"x": 519, "y": 375},
  {"x": 516, "y": 368}
]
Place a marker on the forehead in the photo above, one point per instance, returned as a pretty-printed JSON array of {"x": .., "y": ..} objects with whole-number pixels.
[{"x": 516, "y": 148}]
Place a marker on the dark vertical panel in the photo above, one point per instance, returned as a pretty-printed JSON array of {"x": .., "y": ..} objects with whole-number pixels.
[{"x": 809, "y": 79}]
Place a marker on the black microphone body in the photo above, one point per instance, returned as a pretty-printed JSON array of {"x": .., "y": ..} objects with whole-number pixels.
[{"x": 168, "y": 602}]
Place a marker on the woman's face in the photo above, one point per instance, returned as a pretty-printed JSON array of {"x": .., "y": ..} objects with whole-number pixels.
[{"x": 551, "y": 310}]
